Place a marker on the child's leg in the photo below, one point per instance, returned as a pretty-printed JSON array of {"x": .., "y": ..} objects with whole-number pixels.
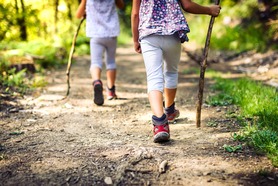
[
  {"x": 110, "y": 54},
  {"x": 170, "y": 95},
  {"x": 172, "y": 52},
  {"x": 96, "y": 49},
  {"x": 156, "y": 102},
  {"x": 111, "y": 88},
  {"x": 111, "y": 77},
  {"x": 95, "y": 73},
  {"x": 96, "y": 52},
  {"x": 153, "y": 60}
]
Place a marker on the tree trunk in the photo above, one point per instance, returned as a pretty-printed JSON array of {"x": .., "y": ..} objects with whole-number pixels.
[
  {"x": 69, "y": 13},
  {"x": 56, "y": 16},
  {"x": 20, "y": 20}
]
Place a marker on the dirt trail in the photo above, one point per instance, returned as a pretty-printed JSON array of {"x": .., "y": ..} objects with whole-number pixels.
[{"x": 56, "y": 141}]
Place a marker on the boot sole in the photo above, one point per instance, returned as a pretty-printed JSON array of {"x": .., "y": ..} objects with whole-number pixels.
[
  {"x": 98, "y": 95},
  {"x": 161, "y": 137}
]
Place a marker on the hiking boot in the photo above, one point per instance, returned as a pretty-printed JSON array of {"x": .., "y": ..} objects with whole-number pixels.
[
  {"x": 172, "y": 117},
  {"x": 98, "y": 92},
  {"x": 111, "y": 93},
  {"x": 161, "y": 131}
]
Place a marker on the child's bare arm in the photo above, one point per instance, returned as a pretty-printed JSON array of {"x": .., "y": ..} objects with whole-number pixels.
[
  {"x": 120, "y": 4},
  {"x": 194, "y": 8},
  {"x": 81, "y": 9},
  {"x": 135, "y": 24}
]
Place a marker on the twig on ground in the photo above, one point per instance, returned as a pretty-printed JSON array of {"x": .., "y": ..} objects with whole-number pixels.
[
  {"x": 162, "y": 166},
  {"x": 141, "y": 171}
]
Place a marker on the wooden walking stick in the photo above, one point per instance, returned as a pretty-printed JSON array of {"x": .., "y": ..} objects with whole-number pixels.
[
  {"x": 71, "y": 53},
  {"x": 202, "y": 71}
]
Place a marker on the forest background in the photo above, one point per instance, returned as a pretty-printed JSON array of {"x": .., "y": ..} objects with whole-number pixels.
[{"x": 45, "y": 28}]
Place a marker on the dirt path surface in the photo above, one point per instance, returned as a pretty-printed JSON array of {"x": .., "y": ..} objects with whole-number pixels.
[{"x": 49, "y": 140}]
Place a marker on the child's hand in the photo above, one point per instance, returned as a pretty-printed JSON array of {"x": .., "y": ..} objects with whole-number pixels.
[
  {"x": 215, "y": 10},
  {"x": 137, "y": 47}
]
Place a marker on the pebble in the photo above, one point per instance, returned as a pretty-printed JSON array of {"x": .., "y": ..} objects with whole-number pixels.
[{"x": 108, "y": 180}]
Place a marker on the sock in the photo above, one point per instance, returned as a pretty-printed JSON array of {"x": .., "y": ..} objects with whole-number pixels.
[
  {"x": 171, "y": 109},
  {"x": 111, "y": 89},
  {"x": 159, "y": 121},
  {"x": 98, "y": 81}
]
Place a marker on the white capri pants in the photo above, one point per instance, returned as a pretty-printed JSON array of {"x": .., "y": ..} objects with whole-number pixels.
[
  {"x": 161, "y": 56},
  {"x": 106, "y": 45}
]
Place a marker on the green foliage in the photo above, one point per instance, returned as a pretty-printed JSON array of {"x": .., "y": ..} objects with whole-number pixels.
[
  {"x": 14, "y": 81},
  {"x": 82, "y": 49},
  {"x": 10, "y": 78},
  {"x": 210, "y": 73},
  {"x": 255, "y": 99},
  {"x": 258, "y": 112},
  {"x": 38, "y": 81},
  {"x": 263, "y": 139},
  {"x": 82, "y": 45},
  {"x": 3, "y": 66},
  {"x": 237, "y": 28},
  {"x": 212, "y": 124},
  {"x": 230, "y": 148},
  {"x": 12, "y": 17},
  {"x": 220, "y": 99},
  {"x": 124, "y": 37},
  {"x": 238, "y": 137},
  {"x": 191, "y": 71},
  {"x": 46, "y": 53},
  {"x": 241, "y": 38}
]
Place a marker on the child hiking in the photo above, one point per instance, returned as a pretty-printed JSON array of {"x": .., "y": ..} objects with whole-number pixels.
[
  {"x": 102, "y": 27},
  {"x": 159, "y": 27}
]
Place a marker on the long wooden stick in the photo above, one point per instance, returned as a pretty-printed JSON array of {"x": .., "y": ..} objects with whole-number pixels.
[
  {"x": 203, "y": 70},
  {"x": 71, "y": 53}
]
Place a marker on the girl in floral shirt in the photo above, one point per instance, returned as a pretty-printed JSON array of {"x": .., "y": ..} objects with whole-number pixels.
[{"x": 159, "y": 27}]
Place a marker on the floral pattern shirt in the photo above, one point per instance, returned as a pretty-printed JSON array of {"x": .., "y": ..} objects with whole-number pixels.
[
  {"x": 162, "y": 17},
  {"x": 102, "y": 18}
]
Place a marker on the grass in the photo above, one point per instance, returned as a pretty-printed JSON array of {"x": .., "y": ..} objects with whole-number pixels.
[
  {"x": 258, "y": 114},
  {"x": 209, "y": 72},
  {"x": 230, "y": 148},
  {"x": 12, "y": 81}
]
